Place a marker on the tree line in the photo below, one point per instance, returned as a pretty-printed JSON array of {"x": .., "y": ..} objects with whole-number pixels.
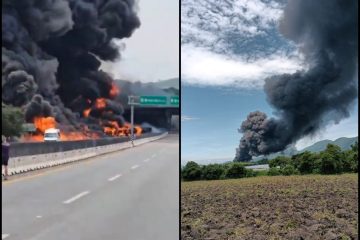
[{"x": 332, "y": 160}]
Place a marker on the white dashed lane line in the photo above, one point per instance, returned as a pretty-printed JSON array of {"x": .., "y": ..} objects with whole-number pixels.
[
  {"x": 154, "y": 155},
  {"x": 147, "y": 160},
  {"x": 114, "y": 177},
  {"x": 134, "y": 167},
  {"x": 80, "y": 195},
  {"x": 3, "y": 236}
]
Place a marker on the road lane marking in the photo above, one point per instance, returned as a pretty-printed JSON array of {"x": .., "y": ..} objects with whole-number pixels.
[
  {"x": 134, "y": 167},
  {"x": 76, "y": 197},
  {"x": 154, "y": 155},
  {"x": 147, "y": 160},
  {"x": 3, "y": 236},
  {"x": 38, "y": 216},
  {"x": 114, "y": 177}
]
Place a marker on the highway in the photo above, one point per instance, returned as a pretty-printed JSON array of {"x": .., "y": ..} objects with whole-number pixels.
[{"x": 131, "y": 194}]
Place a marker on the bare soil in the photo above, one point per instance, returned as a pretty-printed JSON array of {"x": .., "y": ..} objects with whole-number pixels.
[{"x": 282, "y": 207}]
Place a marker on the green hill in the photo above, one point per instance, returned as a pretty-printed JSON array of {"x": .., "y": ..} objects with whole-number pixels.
[
  {"x": 344, "y": 143},
  {"x": 166, "y": 84}
]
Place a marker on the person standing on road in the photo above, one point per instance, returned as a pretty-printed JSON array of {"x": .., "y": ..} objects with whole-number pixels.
[{"x": 5, "y": 155}]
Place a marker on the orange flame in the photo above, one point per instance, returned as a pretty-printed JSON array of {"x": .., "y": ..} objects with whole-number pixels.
[
  {"x": 86, "y": 112},
  {"x": 71, "y": 136},
  {"x": 138, "y": 130},
  {"x": 112, "y": 128},
  {"x": 43, "y": 123},
  {"x": 114, "y": 91},
  {"x": 100, "y": 103}
]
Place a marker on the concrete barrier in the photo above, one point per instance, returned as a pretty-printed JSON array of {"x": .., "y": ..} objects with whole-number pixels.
[
  {"x": 36, "y": 148},
  {"x": 21, "y": 164}
]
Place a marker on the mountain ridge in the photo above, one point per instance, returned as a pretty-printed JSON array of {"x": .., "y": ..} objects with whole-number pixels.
[{"x": 343, "y": 142}]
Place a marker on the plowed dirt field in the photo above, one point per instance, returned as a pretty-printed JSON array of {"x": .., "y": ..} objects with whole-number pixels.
[{"x": 282, "y": 207}]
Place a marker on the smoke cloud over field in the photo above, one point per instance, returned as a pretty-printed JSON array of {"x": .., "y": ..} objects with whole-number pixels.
[
  {"x": 51, "y": 52},
  {"x": 326, "y": 33}
]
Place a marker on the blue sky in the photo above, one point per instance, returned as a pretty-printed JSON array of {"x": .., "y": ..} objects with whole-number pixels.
[
  {"x": 211, "y": 116},
  {"x": 228, "y": 48}
]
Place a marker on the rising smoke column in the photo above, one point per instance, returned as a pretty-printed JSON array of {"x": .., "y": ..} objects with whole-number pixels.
[
  {"x": 51, "y": 51},
  {"x": 326, "y": 33}
]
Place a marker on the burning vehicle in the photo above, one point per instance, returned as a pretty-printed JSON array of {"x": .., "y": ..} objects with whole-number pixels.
[{"x": 51, "y": 135}]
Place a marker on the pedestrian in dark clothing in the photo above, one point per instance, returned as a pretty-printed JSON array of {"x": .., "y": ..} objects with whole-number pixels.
[{"x": 5, "y": 155}]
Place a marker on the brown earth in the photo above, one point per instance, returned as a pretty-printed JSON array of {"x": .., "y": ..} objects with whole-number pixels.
[{"x": 282, "y": 207}]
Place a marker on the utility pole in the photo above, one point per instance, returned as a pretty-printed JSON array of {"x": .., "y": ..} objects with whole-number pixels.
[
  {"x": 132, "y": 102},
  {"x": 132, "y": 125}
]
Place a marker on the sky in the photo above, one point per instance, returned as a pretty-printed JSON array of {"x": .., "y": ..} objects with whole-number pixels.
[
  {"x": 228, "y": 48},
  {"x": 152, "y": 52}
]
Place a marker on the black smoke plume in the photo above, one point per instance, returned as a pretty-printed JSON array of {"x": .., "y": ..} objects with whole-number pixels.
[
  {"x": 51, "y": 52},
  {"x": 326, "y": 32}
]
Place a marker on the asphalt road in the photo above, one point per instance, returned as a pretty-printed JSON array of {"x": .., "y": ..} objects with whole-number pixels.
[{"x": 131, "y": 194}]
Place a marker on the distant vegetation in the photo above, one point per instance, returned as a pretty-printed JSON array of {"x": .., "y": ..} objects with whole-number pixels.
[
  {"x": 12, "y": 119},
  {"x": 332, "y": 160}
]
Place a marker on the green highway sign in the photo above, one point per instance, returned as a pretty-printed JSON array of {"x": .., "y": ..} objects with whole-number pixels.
[
  {"x": 153, "y": 100},
  {"x": 174, "y": 100}
]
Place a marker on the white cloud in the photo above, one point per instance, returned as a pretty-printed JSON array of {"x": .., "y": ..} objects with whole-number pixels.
[
  {"x": 228, "y": 43},
  {"x": 203, "y": 67},
  {"x": 187, "y": 118},
  {"x": 210, "y": 20}
]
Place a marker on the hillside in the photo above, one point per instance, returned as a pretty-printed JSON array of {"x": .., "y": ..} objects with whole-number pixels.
[
  {"x": 165, "y": 84},
  {"x": 164, "y": 87},
  {"x": 344, "y": 143}
]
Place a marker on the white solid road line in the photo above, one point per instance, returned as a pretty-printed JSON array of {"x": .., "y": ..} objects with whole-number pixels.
[
  {"x": 147, "y": 160},
  {"x": 114, "y": 177},
  {"x": 134, "y": 167},
  {"x": 3, "y": 236},
  {"x": 76, "y": 197}
]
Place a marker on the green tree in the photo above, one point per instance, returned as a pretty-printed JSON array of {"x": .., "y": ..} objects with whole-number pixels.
[
  {"x": 289, "y": 170},
  {"x": 351, "y": 161},
  {"x": 331, "y": 160},
  {"x": 355, "y": 158},
  {"x": 305, "y": 162},
  {"x": 191, "y": 171},
  {"x": 12, "y": 119},
  {"x": 355, "y": 147},
  {"x": 236, "y": 170},
  {"x": 280, "y": 161},
  {"x": 212, "y": 171},
  {"x": 250, "y": 173},
  {"x": 274, "y": 172}
]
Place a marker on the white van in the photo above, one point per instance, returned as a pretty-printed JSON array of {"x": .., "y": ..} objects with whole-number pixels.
[{"x": 52, "y": 134}]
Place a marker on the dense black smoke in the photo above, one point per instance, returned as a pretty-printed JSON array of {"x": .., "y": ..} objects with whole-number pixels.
[
  {"x": 326, "y": 32},
  {"x": 51, "y": 51}
]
